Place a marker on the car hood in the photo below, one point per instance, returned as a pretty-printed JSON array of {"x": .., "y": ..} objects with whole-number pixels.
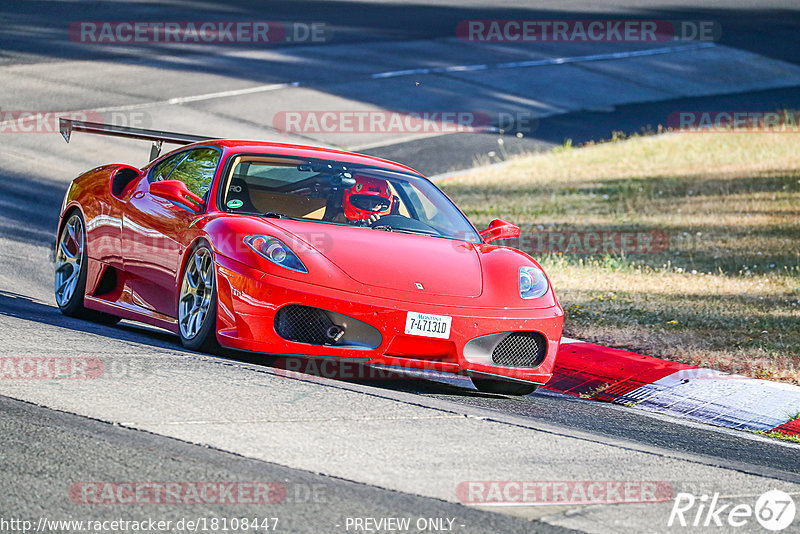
[{"x": 393, "y": 260}]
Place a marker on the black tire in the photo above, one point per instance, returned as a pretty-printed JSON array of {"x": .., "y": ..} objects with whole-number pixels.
[
  {"x": 204, "y": 339},
  {"x": 72, "y": 305},
  {"x": 502, "y": 387}
]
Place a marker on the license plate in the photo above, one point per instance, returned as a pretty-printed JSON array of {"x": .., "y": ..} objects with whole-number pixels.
[{"x": 428, "y": 325}]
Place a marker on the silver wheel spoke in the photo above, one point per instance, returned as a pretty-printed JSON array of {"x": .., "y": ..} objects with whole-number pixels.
[
  {"x": 192, "y": 283},
  {"x": 194, "y": 325},
  {"x": 70, "y": 289},
  {"x": 68, "y": 264},
  {"x": 196, "y": 291},
  {"x": 66, "y": 282},
  {"x": 198, "y": 321},
  {"x": 71, "y": 231},
  {"x": 208, "y": 279},
  {"x": 187, "y": 319},
  {"x": 66, "y": 251},
  {"x": 79, "y": 238}
]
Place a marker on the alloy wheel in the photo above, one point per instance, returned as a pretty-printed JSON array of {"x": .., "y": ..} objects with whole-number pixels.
[{"x": 197, "y": 290}]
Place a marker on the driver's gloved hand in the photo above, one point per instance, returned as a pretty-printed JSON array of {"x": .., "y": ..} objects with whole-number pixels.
[{"x": 366, "y": 222}]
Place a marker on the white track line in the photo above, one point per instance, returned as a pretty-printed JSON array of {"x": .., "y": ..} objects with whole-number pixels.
[
  {"x": 398, "y": 73},
  {"x": 205, "y": 96},
  {"x": 169, "y": 102},
  {"x": 545, "y": 62}
]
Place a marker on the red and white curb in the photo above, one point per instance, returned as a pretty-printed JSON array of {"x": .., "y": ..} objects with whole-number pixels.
[{"x": 675, "y": 389}]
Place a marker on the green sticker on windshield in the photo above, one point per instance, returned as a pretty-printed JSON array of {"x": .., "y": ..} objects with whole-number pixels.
[{"x": 235, "y": 203}]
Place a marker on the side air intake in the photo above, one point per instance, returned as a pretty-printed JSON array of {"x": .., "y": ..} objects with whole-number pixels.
[
  {"x": 508, "y": 349},
  {"x": 315, "y": 326}
]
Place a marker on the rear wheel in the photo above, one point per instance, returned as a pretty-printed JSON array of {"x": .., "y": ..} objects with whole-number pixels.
[
  {"x": 70, "y": 272},
  {"x": 197, "y": 305},
  {"x": 488, "y": 385}
]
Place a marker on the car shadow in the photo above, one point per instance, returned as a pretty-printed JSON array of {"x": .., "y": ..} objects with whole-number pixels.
[{"x": 29, "y": 309}]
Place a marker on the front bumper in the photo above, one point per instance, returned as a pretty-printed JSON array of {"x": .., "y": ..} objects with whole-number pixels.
[{"x": 248, "y": 301}]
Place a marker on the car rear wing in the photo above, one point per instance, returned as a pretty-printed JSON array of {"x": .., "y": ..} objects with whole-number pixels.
[{"x": 158, "y": 137}]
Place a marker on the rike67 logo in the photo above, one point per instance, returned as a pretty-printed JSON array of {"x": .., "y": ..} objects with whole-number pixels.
[{"x": 774, "y": 510}]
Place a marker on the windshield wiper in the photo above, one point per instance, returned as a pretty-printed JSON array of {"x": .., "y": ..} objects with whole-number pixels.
[{"x": 387, "y": 228}]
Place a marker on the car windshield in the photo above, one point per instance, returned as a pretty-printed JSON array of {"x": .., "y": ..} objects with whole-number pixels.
[{"x": 341, "y": 193}]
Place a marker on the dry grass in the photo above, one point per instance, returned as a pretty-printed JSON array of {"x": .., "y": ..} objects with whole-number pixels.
[
  {"x": 724, "y": 293},
  {"x": 780, "y": 435},
  {"x": 593, "y": 392}
]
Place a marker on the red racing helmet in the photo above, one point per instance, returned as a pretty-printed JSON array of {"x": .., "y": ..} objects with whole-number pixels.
[{"x": 370, "y": 196}]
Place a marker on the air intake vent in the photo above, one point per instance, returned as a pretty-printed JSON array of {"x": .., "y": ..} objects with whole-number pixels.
[
  {"x": 305, "y": 324},
  {"x": 520, "y": 349}
]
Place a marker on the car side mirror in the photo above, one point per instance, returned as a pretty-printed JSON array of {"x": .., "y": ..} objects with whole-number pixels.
[
  {"x": 499, "y": 229},
  {"x": 176, "y": 191}
]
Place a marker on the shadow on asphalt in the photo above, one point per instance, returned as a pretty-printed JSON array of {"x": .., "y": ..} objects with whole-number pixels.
[
  {"x": 28, "y": 309},
  {"x": 566, "y": 412},
  {"x": 37, "y": 29},
  {"x": 40, "y": 27},
  {"x": 30, "y": 207}
]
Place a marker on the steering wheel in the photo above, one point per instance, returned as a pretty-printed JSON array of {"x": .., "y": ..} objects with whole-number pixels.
[{"x": 399, "y": 222}]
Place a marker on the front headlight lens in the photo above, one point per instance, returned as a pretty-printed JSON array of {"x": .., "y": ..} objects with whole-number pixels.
[
  {"x": 275, "y": 251},
  {"x": 532, "y": 282}
]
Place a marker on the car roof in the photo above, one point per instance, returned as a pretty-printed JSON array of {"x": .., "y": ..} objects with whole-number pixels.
[{"x": 233, "y": 146}]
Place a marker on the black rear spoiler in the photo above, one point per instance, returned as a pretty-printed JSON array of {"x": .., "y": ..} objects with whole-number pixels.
[{"x": 158, "y": 137}]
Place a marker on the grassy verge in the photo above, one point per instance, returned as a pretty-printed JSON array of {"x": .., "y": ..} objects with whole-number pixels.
[
  {"x": 721, "y": 286},
  {"x": 779, "y": 435}
]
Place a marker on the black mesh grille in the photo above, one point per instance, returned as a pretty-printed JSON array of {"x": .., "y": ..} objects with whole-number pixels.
[
  {"x": 303, "y": 324},
  {"x": 521, "y": 349}
]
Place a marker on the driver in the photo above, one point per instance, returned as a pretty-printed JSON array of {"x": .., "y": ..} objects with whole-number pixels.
[{"x": 367, "y": 201}]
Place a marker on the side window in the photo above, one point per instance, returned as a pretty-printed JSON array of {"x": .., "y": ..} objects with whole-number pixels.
[
  {"x": 162, "y": 170},
  {"x": 196, "y": 170}
]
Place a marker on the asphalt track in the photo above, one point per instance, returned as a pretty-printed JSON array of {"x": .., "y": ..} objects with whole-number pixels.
[
  {"x": 378, "y": 448},
  {"x": 64, "y": 444}
]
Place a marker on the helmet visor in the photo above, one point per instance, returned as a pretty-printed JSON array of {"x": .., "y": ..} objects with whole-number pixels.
[{"x": 372, "y": 203}]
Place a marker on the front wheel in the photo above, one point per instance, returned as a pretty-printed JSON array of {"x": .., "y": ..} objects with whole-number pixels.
[
  {"x": 488, "y": 385},
  {"x": 197, "y": 304},
  {"x": 70, "y": 272}
]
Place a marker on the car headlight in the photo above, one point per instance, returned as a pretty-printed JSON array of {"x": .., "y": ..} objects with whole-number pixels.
[
  {"x": 532, "y": 282},
  {"x": 275, "y": 251}
]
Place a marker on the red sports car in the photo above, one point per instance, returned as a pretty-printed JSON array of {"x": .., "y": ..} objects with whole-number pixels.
[{"x": 302, "y": 251}]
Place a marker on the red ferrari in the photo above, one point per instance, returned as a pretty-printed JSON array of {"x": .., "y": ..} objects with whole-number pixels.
[{"x": 301, "y": 251}]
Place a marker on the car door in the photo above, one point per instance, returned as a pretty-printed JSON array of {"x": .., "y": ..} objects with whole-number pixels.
[{"x": 155, "y": 230}]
